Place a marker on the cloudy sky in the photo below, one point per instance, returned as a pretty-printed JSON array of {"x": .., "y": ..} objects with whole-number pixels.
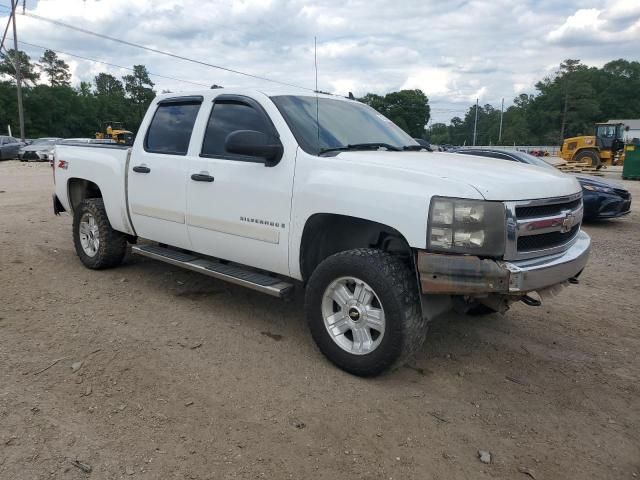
[{"x": 454, "y": 51}]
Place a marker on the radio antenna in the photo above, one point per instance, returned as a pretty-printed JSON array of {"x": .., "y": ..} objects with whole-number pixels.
[{"x": 315, "y": 61}]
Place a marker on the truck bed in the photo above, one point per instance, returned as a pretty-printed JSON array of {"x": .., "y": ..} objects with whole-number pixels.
[{"x": 102, "y": 164}]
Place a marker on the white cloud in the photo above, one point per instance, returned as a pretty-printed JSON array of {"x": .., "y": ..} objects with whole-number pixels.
[
  {"x": 619, "y": 22},
  {"x": 432, "y": 81}
]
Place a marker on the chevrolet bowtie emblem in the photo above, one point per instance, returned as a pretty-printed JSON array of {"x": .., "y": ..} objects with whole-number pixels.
[{"x": 567, "y": 223}]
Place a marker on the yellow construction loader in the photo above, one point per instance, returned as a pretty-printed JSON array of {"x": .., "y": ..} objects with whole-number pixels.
[
  {"x": 115, "y": 131},
  {"x": 606, "y": 147}
]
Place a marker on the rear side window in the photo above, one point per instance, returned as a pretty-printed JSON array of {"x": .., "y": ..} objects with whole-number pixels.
[
  {"x": 228, "y": 117},
  {"x": 171, "y": 127}
]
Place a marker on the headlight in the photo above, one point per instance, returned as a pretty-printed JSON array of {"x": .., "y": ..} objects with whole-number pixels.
[
  {"x": 596, "y": 188},
  {"x": 475, "y": 227}
]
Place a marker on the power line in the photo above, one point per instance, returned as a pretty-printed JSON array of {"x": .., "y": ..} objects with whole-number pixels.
[
  {"x": 161, "y": 52},
  {"x": 109, "y": 64}
]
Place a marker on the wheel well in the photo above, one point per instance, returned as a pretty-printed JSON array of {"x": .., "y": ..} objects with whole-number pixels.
[
  {"x": 80, "y": 189},
  {"x": 325, "y": 234}
]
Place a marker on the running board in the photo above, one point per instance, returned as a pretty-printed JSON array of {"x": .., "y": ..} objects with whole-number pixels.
[{"x": 216, "y": 269}]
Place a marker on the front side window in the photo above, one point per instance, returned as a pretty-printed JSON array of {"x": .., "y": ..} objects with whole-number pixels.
[
  {"x": 227, "y": 117},
  {"x": 171, "y": 127}
]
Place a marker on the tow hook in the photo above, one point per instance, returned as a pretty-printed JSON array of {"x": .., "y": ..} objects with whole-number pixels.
[
  {"x": 574, "y": 281},
  {"x": 532, "y": 302}
]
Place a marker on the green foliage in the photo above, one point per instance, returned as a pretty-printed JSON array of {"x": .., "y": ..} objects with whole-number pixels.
[
  {"x": 55, "y": 68},
  {"x": 409, "y": 109},
  {"x": 566, "y": 104},
  {"x": 62, "y": 111},
  {"x": 27, "y": 69},
  {"x": 108, "y": 85},
  {"x": 139, "y": 89}
]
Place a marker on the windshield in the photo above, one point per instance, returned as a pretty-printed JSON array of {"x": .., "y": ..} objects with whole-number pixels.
[{"x": 341, "y": 122}]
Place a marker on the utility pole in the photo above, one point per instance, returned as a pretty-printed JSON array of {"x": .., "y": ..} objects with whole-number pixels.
[
  {"x": 14, "y": 5},
  {"x": 475, "y": 125},
  {"x": 500, "y": 131}
]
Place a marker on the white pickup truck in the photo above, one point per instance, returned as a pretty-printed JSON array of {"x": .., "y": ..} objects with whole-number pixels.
[{"x": 274, "y": 190}]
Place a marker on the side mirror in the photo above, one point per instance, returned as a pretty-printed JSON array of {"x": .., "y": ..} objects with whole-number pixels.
[{"x": 254, "y": 144}]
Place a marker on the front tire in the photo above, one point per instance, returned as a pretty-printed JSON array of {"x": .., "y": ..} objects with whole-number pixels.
[
  {"x": 589, "y": 156},
  {"x": 97, "y": 244},
  {"x": 363, "y": 311}
]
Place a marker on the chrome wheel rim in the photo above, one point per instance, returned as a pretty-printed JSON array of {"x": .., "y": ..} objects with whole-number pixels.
[
  {"x": 353, "y": 315},
  {"x": 89, "y": 237}
]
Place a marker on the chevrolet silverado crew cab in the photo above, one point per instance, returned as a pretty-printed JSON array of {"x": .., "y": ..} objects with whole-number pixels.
[{"x": 276, "y": 190}]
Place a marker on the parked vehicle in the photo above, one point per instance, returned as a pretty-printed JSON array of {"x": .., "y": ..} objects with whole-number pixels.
[
  {"x": 9, "y": 147},
  {"x": 601, "y": 199},
  {"x": 605, "y": 147},
  {"x": 270, "y": 191},
  {"x": 40, "y": 150},
  {"x": 115, "y": 131}
]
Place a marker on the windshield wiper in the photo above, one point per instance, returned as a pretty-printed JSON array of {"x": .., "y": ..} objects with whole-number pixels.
[{"x": 361, "y": 146}]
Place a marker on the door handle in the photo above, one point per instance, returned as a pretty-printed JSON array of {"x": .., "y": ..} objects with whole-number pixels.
[
  {"x": 202, "y": 177},
  {"x": 141, "y": 169}
]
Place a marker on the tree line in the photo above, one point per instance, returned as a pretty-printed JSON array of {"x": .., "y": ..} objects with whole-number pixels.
[
  {"x": 565, "y": 104},
  {"x": 56, "y": 109}
]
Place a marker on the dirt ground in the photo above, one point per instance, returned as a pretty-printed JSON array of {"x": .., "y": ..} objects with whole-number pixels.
[{"x": 148, "y": 371}]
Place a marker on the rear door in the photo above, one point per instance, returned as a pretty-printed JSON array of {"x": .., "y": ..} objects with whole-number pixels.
[
  {"x": 156, "y": 173},
  {"x": 242, "y": 213}
]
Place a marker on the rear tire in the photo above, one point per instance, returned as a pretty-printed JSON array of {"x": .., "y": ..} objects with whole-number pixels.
[
  {"x": 381, "y": 299},
  {"x": 97, "y": 244},
  {"x": 589, "y": 156}
]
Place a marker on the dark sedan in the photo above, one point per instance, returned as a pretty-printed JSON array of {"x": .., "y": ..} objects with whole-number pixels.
[{"x": 601, "y": 199}]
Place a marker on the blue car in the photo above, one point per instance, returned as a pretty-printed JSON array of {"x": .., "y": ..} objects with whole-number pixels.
[{"x": 601, "y": 199}]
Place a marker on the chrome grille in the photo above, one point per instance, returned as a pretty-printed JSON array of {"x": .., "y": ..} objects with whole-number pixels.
[
  {"x": 542, "y": 227},
  {"x": 545, "y": 240},
  {"x": 546, "y": 210}
]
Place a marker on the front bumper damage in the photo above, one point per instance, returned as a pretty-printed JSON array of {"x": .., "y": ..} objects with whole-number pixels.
[{"x": 472, "y": 276}]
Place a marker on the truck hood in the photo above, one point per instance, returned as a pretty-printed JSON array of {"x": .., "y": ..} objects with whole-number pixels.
[{"x": 494, "y": 179}]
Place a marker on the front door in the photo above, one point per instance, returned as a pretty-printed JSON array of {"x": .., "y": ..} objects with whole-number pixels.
[
  {"x": 157, "y": 173},
  {"x": 239, "y": 209}
]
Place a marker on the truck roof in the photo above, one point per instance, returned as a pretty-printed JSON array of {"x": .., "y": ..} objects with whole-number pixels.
[{"x": 269, "y": 92}]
